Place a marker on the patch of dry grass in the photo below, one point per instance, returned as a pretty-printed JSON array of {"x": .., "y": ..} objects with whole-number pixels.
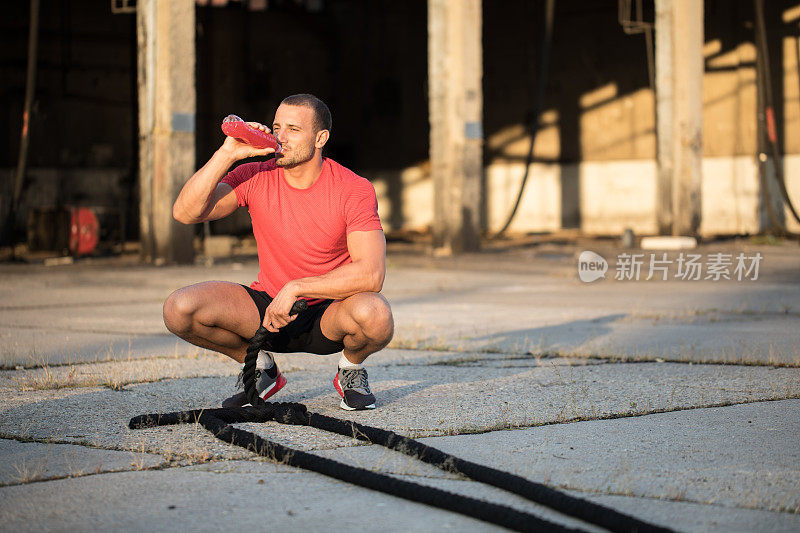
[
  {"x": 116, "y": 375},
  {"x": 28, "y": 471}
]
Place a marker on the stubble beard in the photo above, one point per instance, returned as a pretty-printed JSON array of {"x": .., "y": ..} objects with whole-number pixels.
[{"x": 298, "y": 156}]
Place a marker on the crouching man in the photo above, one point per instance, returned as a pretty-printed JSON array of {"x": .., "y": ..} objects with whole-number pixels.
[{"x": 319, "y": 238}]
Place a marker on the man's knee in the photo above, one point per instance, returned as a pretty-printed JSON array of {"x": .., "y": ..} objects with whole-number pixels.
[
  {"x": 371, "y": 311},
  {"x": 178, "y": 311}
]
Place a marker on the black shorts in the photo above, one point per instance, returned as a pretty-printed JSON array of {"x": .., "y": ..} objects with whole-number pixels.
[{"x": 303, "y": 334}]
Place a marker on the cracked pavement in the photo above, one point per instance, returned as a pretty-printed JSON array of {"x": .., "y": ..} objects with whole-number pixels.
[{"x": 675, "y": 401}]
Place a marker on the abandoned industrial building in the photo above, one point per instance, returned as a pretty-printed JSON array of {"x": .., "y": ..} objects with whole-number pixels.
[{"x": 666, "y": 117}]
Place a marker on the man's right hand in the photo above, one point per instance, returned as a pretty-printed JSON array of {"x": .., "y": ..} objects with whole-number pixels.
[{"x": 238, "y": 150}]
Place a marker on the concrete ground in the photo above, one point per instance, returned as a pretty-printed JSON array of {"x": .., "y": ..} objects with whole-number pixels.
[{"x": 675, "y": 401}]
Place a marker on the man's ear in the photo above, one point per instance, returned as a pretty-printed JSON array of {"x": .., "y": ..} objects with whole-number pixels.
[{"x": 322, "y": 138}]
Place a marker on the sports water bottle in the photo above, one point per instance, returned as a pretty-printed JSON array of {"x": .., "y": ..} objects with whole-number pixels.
[{"x": 235, "y": 127}]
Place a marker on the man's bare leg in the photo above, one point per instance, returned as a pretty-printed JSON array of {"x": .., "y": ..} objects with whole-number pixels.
[
  {"x": 363, "y": 322},
  {"x": 217, "y": 315},
  {"x": 221, "y": 316}
]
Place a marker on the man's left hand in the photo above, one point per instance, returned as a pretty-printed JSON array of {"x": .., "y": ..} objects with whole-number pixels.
[{"x": 277, "y": 315}]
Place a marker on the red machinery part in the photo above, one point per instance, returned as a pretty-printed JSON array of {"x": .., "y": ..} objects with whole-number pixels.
[
  {"x": 84, "y": 231},
  {"x": 771, "y": 130},
  {"x": 235, "y": 127}
]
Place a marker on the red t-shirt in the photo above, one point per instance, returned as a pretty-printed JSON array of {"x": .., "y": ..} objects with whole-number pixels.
[{"x": 302, "y": 232}]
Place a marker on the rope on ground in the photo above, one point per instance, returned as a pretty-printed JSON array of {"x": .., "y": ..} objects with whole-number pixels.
[{"x": 219, "y": 421}]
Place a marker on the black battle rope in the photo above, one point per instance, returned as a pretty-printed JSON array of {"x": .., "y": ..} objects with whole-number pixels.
[
  {"x": 219, "y": 421},
  {"x": 258, "y": 342}
]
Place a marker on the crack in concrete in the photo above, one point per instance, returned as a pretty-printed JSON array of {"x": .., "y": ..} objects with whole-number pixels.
[
  {"x": 13, "y": 368},
  {"x": 78, "y": 304},
  {"x": 630, "y": 494},
  {"x": 81, "y": 330},
  {"x": 578, "y": 359},
  {"x": 491, "y": 363},
  {"x": 596, "y": 360},
  {"x": 87, "y": 474},
  {"x": 475, "y": 431},
  {"x": 610, "y": 416}
]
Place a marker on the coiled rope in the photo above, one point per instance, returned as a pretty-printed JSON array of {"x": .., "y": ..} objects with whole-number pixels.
[{"x": 219, "y": 422}]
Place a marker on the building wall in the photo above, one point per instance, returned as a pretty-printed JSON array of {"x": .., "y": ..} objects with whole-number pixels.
[
  {"x": 789, "y": 83},
  {"x": 83, "y": 118},
  {"x": 367, "y": 59},
  {"x": 594, "y": 158}
]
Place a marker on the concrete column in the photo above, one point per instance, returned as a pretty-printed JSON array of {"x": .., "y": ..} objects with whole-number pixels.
[
  {"x": 166, "y": 65},
  {"x": 455, "y": 70},
  {"x": 679, "y": 90},
  {"x": 664, "y": 109}
]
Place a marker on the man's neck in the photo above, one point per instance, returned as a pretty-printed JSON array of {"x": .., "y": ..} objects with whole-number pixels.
[{"x": 304, "y": 175}]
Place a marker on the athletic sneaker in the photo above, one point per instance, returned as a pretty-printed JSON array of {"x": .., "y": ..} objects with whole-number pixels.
[
  {"x": 268, "y": 382},
  {"x": 353, "y": 387}
]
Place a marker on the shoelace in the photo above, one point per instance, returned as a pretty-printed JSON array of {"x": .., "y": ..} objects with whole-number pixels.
[
  {"x": 240, "y": 377},
  {"x": 354, "y": 379}
]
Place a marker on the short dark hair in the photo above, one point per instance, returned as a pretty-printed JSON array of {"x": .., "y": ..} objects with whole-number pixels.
[{"x": 322, "y": 115}]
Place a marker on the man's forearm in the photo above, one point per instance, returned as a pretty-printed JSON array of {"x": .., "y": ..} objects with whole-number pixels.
[
  {"x": 194, "y": 200},
  {"x": 340, "y": 282}
]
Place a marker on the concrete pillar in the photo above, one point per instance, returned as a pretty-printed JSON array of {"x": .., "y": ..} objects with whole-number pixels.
[
  {"x": 455, "y": 70},
  {"x": 664, "y": 107},
  {"x": 166, "y": 65},
  {"x": 679, "y": 101}
]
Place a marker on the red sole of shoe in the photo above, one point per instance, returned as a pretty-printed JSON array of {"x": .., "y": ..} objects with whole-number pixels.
[
  {"x": 337, "y": 386},
  {"x": 279, "y": 383},
  {"x": 344, "y": 405}
]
